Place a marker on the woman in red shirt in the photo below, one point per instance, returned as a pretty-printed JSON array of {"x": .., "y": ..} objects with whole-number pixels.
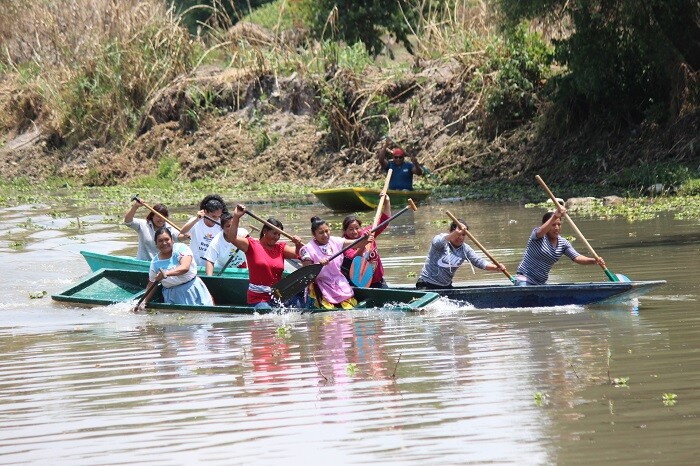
[{"x": 265, "y": 258}]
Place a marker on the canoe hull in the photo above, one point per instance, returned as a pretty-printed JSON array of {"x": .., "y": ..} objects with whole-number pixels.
[
  {"x": 110, "y": 286},
  {"x": 361, "y": 199},
  {"x": 564, "y": 294}
]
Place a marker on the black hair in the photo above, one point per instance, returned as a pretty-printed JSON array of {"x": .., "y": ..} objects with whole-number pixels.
[
  {"x": 225, "y": 217},
  {"x": 546, "y": 217},
  {"x": 271, "y": 221},
  {"x": 349, "y": 219},
  {"x": 161, "y": 209},
  {"x": 212, "y": 203},
  {"x": 160, "y": 231},
  {"x": 453, "y": 225},
  {"x": 316, "y": 223}
]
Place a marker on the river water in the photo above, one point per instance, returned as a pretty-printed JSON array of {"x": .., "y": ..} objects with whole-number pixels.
[{"x": 447, "y": 385}]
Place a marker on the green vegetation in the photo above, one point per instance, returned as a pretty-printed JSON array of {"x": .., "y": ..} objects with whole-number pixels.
[
  {"x": 517, "y": 76},
  {"x": 669, "y": 399}
]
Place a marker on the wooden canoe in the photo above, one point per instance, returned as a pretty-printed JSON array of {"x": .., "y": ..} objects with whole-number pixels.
[
  {"x": 361, "y": 199},
  {"x": 562, "y": 294},
  {"x": 109, "y": 286}
]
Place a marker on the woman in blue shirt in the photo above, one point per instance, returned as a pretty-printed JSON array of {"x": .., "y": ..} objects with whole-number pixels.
[{"x": 175, "y": 269}]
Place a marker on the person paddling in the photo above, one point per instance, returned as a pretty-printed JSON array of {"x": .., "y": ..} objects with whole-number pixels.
[
  {"x": 222, "y": 248},
  {"x": 146, "y": 229},
  {"x": 545, "y": 247},
  {"x": 204, "y": 226},
  {"x": 174, "y": 268},
  {"x": 265, "y": 260},
  {"x": 330, "y": 289},
  {"x": 352, "y": 229},
  {"x": 448, "y": 252}
]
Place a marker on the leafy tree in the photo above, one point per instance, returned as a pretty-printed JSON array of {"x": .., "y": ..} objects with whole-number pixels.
[
  {"x": 626, "y": 57},
  {"x": 363, "y": 21}
]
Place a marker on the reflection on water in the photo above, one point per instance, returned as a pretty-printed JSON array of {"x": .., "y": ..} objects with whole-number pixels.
[{"x": 449, "y": 384}]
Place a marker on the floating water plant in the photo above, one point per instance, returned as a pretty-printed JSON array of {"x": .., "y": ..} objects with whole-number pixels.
[{"x": 669, "y": 399}]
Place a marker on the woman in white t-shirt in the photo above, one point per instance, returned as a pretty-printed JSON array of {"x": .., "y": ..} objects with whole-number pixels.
[
  {"x": 221, "y": 248},
  {"x": 201, "y": 229}
]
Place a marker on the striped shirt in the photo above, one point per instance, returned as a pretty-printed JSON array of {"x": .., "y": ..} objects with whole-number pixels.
[{"x": 540, "y": 256}]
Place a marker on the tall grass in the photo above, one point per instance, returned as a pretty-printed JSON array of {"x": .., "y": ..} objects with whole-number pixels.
[{"x": 83, "y": 69}]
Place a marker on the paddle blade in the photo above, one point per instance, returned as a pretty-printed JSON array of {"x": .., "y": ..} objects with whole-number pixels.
[
  {"x": 296, "y": 282},
  {"x": 611, "y": 276},
  {"x": 622, "y": 278},
  {"x": 361, "y": 271}
]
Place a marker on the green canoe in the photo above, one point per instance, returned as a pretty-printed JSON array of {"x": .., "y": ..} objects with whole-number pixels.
[
  {"x": 109, "y": 286},
  {"x": 98, "y": 261},
  {"x": 360, "y": 199}
]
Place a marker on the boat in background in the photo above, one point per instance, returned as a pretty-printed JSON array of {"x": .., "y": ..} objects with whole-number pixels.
[
  {"x": 97, "y": 261},
  {"x": 560, "y": 294},
  {"x": 110, "y": 286},
  {"x": 361, "y": 199}
]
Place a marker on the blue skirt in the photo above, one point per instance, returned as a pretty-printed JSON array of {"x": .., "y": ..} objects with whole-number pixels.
[{"x": 193, "y": 292}]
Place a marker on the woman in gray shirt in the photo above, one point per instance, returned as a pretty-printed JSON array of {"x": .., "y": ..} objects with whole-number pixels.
[{"x": 447, "y": 253}]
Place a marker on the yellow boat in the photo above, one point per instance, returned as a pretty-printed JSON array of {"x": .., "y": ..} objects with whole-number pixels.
[{"x": 359, "y": 199}]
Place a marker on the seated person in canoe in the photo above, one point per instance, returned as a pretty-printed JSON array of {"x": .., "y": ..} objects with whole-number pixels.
[
  {"x": 330, "y": 289},
  {"x": 402, "y": 172},
  {"x": 146, "y": 228},
  {"x": 352, "y": 229},
  {"x": 221, "y": 248},
  {"x": 202, "y": 229},
  {"x": 447, "y": 252},
  {"x": 265, "y": 260},
  {"x": 545, "y": 247},
  {"x": 175, "y": 269}
]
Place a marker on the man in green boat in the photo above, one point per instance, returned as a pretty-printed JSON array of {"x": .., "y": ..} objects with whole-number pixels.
[
  {"x": 402, "y": 172},
  {"x": 202, "y": 229}
]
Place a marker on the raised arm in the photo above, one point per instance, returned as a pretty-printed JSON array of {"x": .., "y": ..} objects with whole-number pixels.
[
  {"x": 129, "y": 216},
  {"x": 239, "y": 242},
  {"x": 417, "y": 169},
  {"x": 381, "y": 154}
]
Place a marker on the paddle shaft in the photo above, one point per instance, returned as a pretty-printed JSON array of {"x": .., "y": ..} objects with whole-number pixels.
[
  {"x": 136, "y": 198},
  {"x": 148, "y": 291},
  {"x": 475, "y": 241},
  {"x": 578, "y": 232},
  {"x": 380, "y": 206},
  {"x": 269, "y": 225}
]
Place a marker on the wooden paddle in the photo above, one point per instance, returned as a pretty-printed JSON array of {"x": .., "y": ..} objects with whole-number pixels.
[
  {"x": 475, "y": 241},
  {"x": 269, "y": 225},
  {"x": 167, "y": 220},
  {"x": 611, "y": 276},
  {"x": 298, "y": 280},
  {"x": 148, "y": 291},
  {"x": 361, "y": 269}
]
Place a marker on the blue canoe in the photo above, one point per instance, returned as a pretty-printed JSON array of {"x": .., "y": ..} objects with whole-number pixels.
[{"x": 561, "y": 294}]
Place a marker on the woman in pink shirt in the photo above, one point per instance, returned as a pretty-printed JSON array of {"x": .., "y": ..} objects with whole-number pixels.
[{"x": 331, "y": 289}]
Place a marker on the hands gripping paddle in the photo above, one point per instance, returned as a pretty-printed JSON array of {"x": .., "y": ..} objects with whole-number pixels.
[
  {"x": 612, "y": 277},
  {"x": 297, "y": 281},
  {"x": 475, "y": 241},
  {"x": 362, "y": 267},
  {"x": 167, "y": 220}
]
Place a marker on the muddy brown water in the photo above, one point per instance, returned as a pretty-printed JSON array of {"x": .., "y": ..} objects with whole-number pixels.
[{"x": 448, "y": 385}]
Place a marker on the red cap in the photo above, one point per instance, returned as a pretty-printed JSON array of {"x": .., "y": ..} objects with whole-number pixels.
[{"x": 398, "y": 152}]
